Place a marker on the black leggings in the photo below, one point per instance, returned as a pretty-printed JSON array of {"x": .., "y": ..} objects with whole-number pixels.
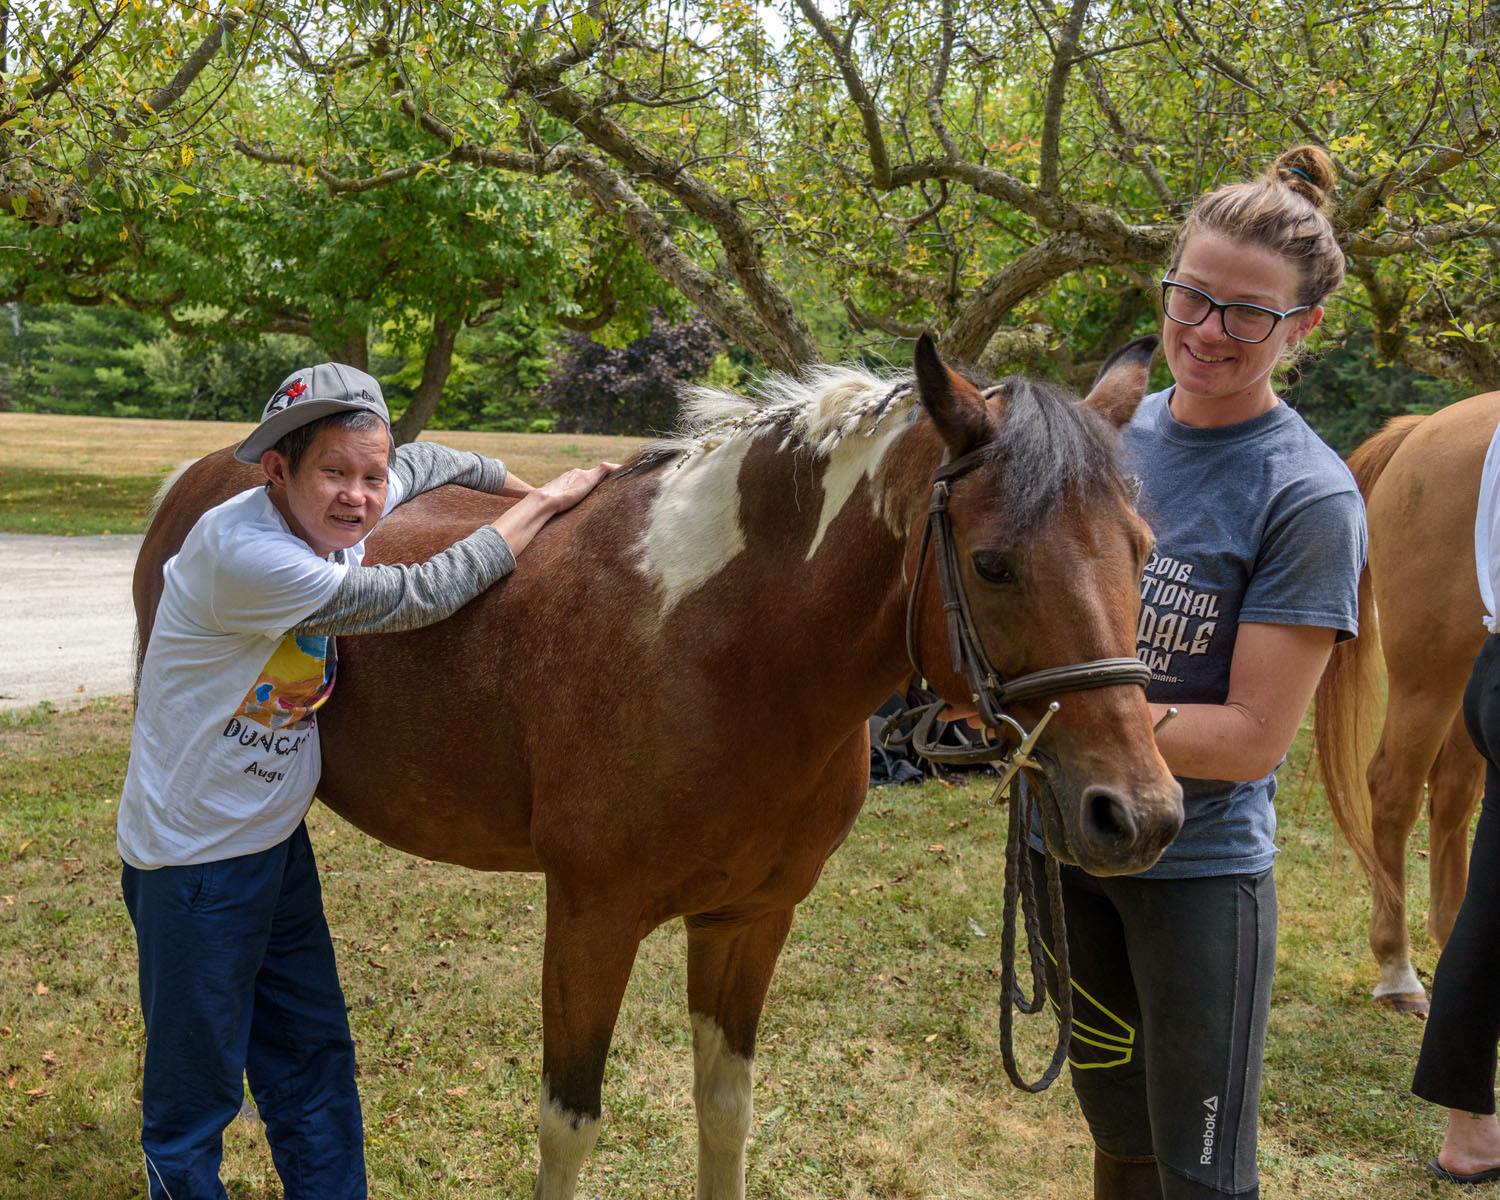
[
  {"x": 1456, "y": 1067},
  {"x": 1171, "y": 994}
]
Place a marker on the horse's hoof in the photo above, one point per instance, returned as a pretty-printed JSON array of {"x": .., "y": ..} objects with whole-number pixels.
[{"x": 1412, "y": 1003}]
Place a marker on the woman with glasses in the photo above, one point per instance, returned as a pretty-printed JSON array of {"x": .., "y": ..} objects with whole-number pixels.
[{"x": 1260, "y": 541}]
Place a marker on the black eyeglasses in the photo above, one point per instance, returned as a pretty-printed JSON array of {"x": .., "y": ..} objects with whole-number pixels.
[{"x": 1252, "y": 323}]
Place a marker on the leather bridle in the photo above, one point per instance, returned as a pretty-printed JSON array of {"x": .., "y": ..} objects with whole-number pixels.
[
  {"x": 918, "y": 727},
  {"x": 990, "y": 691}
]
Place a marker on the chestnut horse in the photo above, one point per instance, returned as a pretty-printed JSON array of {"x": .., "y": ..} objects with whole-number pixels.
[
  {"x": 1420, "y": 479},
  {"x": 664, "y": 708}
]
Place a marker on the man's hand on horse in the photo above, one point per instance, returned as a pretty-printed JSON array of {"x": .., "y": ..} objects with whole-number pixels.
[{"x": 521, "y": 522}]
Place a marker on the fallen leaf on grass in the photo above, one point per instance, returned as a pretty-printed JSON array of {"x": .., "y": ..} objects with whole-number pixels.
[
  {"x": 35, "y": 1093},
  {"x": 377, "y": 964},
  {"x": 41, "y": 988},
  {"x": 456, "y": 1091},
  {"x": 930, "y": 1038}
]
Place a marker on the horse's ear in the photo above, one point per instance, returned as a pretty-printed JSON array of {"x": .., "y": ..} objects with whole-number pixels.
[
  {"x": 953, "y": 403},
  {"x": 1122, "y": 381}
]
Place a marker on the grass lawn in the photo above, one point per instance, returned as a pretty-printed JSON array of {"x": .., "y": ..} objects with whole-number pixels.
[
  {"x": 878, "y": 1074},
  {"x": 80, "y": 475}
]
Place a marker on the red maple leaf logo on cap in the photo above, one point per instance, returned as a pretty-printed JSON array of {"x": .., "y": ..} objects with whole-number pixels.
[{"x": 296, "y": 390}]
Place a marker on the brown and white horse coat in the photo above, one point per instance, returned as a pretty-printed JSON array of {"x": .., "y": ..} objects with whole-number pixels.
[{"x": 663, "y": 709}]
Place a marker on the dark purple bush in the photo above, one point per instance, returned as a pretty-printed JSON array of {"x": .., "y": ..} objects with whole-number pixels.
[{"x": 632, "y": 390}]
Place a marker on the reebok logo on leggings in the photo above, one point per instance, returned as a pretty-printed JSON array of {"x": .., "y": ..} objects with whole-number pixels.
[{"x": 1210, "y": 1126}]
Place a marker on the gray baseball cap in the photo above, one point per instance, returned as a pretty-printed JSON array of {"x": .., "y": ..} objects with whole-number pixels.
[{"x": 307, "y": 394}]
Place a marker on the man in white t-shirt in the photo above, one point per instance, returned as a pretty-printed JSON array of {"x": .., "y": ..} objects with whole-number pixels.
[{"x": 237, "y": 970}]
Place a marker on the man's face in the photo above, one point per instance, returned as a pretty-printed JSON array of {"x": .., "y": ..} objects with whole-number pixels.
[{"x": 338, "y": 491}]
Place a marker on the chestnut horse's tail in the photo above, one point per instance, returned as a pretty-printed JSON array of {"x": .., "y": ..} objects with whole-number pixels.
[{"x": 1346, "y": 719}]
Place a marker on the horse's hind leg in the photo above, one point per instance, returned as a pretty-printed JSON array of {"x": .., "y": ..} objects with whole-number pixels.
[
  {"x": 730, "y": 962},
  {"x": 1453, "y": 789},
  {"x": 586, "y": 965},
  {"x": 1416, "y": 722}
]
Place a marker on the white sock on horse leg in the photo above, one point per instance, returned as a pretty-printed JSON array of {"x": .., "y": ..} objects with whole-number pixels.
[
  {"x": 1398, "y": 979},
  {"x": 722, "y": 1096},
  {"x": 565, "y": 1139}
]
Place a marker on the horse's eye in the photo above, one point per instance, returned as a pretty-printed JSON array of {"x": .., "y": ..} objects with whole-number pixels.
[{"x": 994, "y": 566}]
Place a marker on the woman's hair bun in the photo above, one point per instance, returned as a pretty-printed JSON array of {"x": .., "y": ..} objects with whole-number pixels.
[{"x": 1308, "y": 171}]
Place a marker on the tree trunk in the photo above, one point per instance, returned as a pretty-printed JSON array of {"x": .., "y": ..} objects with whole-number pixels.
[
  {"x": 354, "y": 350},
  {"x": 424, "y": 400}
]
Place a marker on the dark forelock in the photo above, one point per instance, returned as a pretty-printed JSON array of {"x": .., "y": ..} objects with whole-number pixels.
[{"x": 1047, "y": 448}]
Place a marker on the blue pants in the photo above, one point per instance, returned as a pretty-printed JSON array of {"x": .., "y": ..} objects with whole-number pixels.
[{"x": 238, "y": 978}]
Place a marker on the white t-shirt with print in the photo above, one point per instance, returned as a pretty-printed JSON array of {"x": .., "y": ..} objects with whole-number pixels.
[
  {"x": 1487, "y": 533},
  {"x": 224, "y": 757}
]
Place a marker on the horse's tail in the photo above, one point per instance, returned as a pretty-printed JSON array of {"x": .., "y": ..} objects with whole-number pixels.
[{"x": 1346, "y": 719}]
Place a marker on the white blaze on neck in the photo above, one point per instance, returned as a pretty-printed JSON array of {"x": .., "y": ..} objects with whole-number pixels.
[
  {"x": 693, "y": 531},
  {"x": 722, "y": 1096},
  {"x": 565, "y": 1139},
  {"x": 853, "y": 458}
]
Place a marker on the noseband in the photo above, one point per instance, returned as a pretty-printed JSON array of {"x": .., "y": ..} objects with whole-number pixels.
[{"x": 991, "y": 692}]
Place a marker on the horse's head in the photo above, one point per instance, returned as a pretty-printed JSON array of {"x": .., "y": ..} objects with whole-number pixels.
[{"x": 1049, "y": 552}]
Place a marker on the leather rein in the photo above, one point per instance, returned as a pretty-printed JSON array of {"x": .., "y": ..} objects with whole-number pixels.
[{"x": 917, "y": 727}]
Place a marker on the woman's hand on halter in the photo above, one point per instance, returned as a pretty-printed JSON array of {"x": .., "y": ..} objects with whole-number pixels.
[{"x": 520, "y": 523}]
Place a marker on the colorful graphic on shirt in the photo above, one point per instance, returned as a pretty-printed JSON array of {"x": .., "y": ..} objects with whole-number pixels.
[
  {"x": 293, "y": 684},
  {"x": 1175, "y": 617}
]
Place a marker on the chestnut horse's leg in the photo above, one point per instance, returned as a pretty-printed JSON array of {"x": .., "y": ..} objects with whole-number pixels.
[
  {"x": 730, "y": 962},
  {"x": 1417, "y": 718},
  {"x": 1453, "y": 789},
  {"x": 590, "y": 949}
]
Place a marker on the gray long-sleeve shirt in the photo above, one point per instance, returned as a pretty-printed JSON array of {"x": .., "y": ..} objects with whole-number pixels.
[{"x": 390, "y": 598}]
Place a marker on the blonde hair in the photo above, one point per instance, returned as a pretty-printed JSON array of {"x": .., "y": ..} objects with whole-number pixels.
[{"x": 1285, "y": 211}]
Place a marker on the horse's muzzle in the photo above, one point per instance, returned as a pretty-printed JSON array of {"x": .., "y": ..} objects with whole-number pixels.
[{"x": 1104, "y": 827}]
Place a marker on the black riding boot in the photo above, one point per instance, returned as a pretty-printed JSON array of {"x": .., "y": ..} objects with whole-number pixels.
[{"x": 1125, "y": 1178}]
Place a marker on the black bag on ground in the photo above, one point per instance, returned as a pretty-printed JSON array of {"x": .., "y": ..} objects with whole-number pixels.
[{"x": 900, "y": 765}]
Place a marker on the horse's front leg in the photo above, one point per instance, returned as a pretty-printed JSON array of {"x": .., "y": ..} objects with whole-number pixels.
[
  {"x": 730, "y": 962},
  {"x": 591, "y": 947}
]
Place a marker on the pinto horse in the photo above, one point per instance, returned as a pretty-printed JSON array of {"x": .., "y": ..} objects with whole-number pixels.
[
  {"x": 742, "y": 586},
  {"x": 1420, "y": 479}
]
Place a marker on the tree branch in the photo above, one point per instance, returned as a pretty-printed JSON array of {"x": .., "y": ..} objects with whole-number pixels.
[
  {"x": 338, "y": 184},
  {"x": 654, "y": 240},
  {"x": 742, "y": 252},
  {"x": 979, "y": 318},
  {"x": 880, "y": 163},
  {"x": 1388, "y": 244},
  {"x": 864, "y": 320},
  {"x": 1024, "y": 345},
  {"x": 1064, "y": 54},
  {"x": 934, "y": 102},
  {"x": 1130, "y": 146}
]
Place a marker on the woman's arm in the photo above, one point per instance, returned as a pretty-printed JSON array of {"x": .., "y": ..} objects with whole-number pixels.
[{"x": 1272, "y": 675}]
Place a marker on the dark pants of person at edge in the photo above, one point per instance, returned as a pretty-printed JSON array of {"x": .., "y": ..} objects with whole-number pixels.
[
  {"x": 1456, "y": 1067},
  {"x": 238, "y": 978},
  {"x": 1171, "y": 994}
]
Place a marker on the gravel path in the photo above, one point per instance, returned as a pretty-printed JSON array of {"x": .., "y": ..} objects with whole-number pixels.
[{"x": 66, "y": 625}]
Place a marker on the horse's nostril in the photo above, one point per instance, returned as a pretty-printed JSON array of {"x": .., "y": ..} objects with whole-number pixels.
[{"x": 1110, "y": 823}]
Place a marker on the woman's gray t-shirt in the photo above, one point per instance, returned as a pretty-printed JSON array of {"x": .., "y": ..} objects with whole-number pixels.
[{"x": 1258, "y": 521}]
